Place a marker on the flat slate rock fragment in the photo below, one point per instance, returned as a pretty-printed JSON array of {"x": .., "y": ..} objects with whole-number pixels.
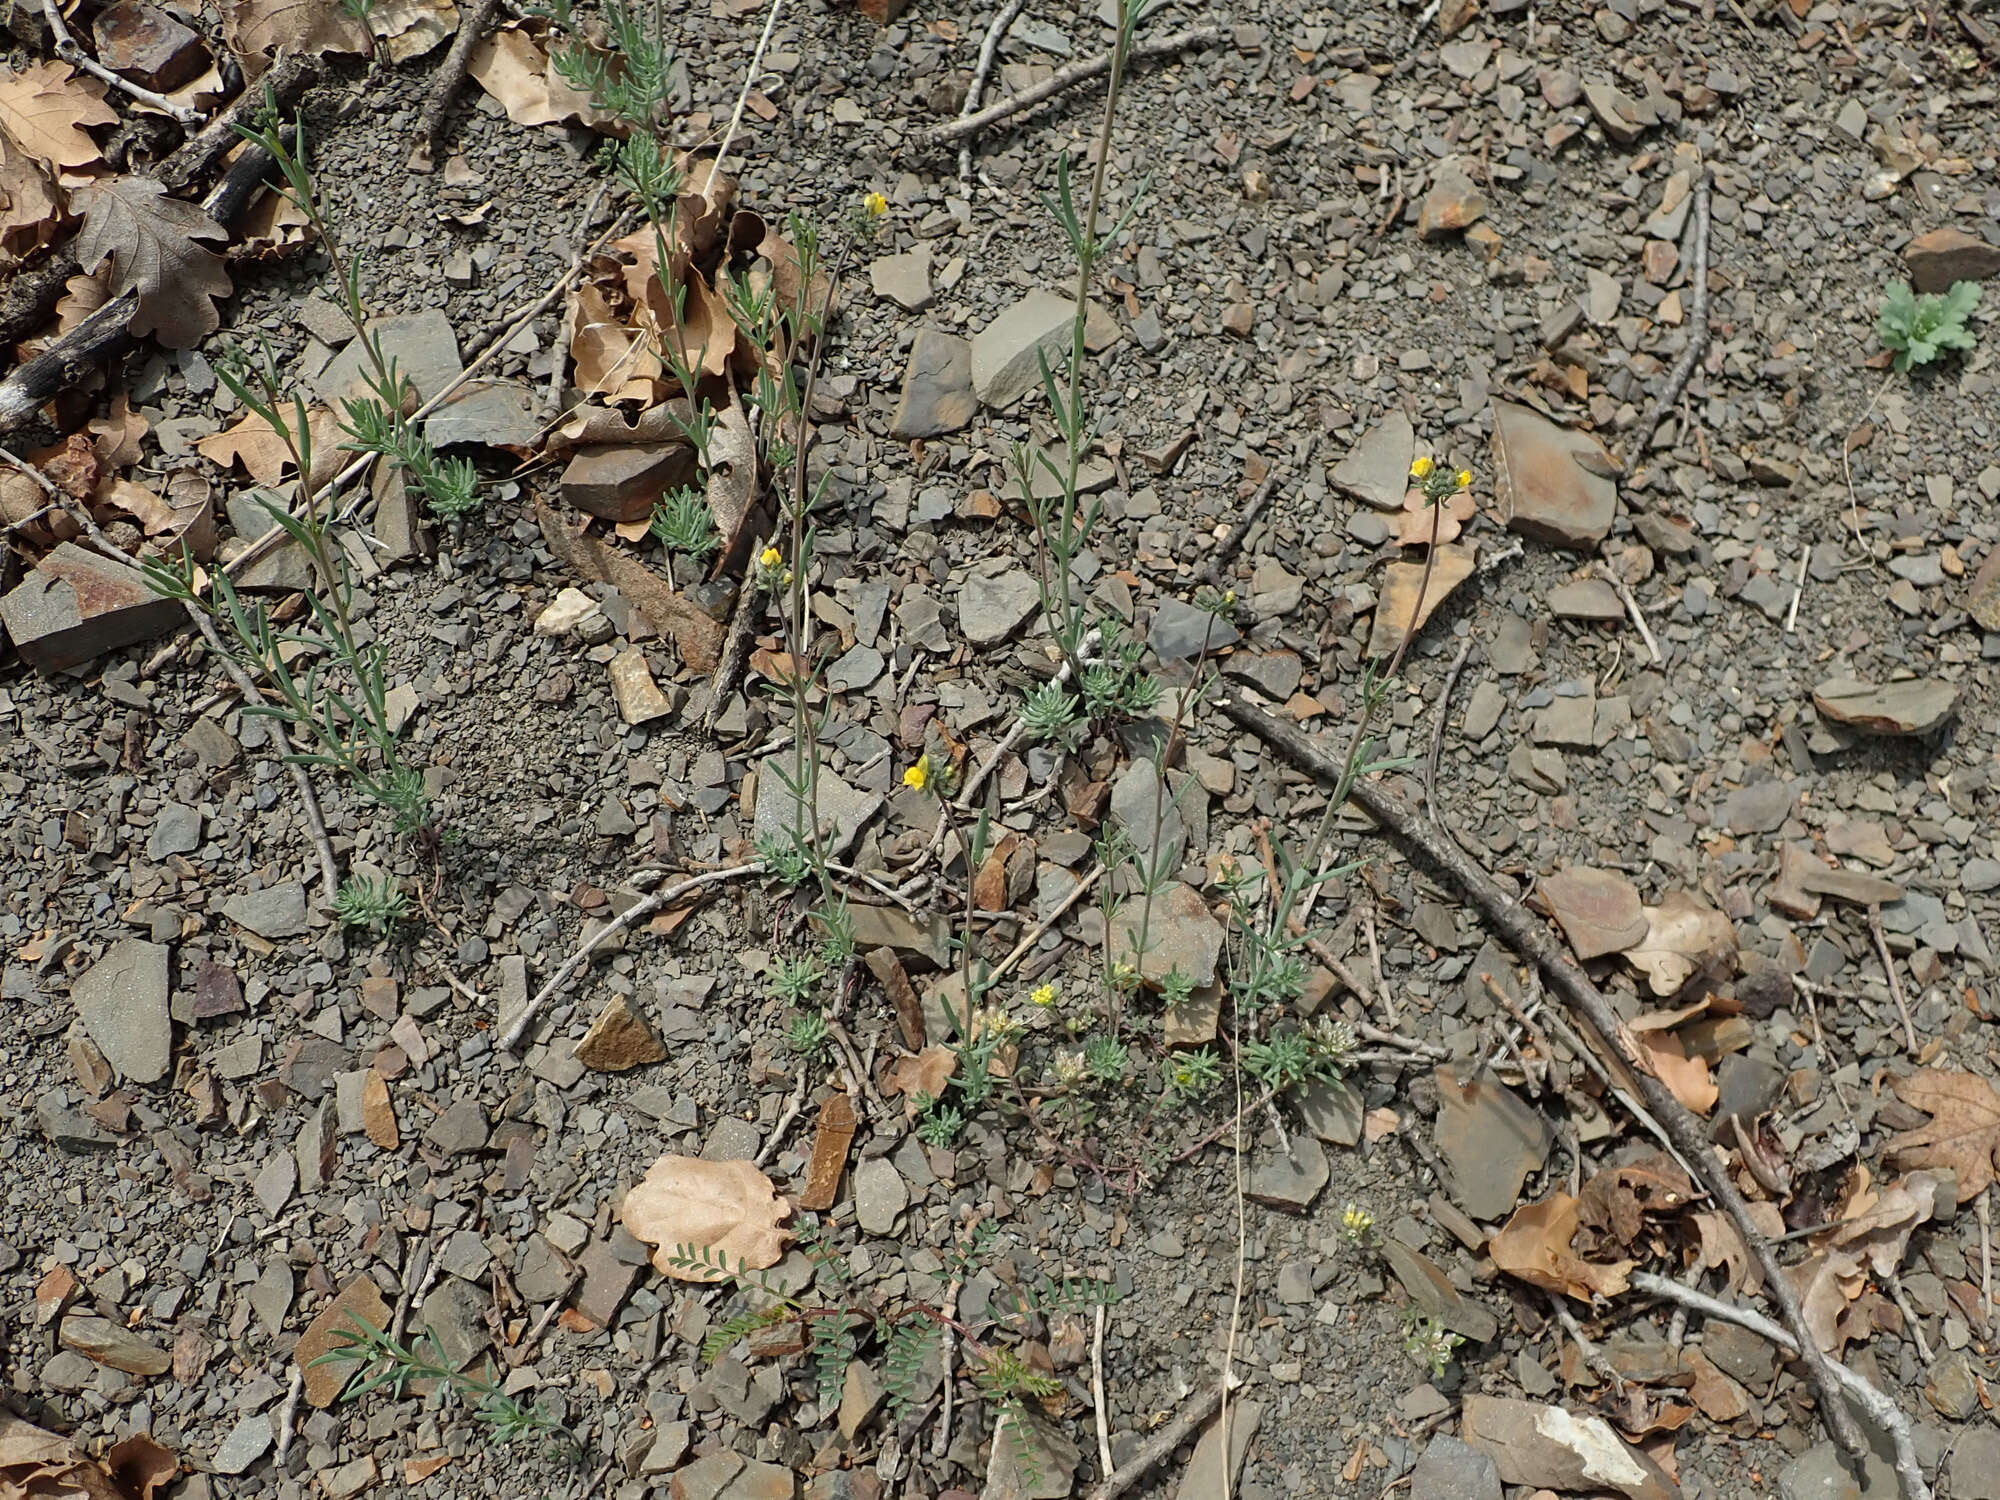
[
  {"x": 1554, "y": 484},
  {"x": 74, "y": 606},
  {"x": 1914, "y": 706},
  {"x": 122, "y": 1001}
]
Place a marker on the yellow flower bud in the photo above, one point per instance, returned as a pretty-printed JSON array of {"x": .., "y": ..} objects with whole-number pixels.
[{"x": 1465, "y": 479}]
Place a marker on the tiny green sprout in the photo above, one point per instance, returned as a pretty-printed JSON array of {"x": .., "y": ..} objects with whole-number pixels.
[
  {"x": 938, "y": 1124},
  {"x": 1052, "y": 712},
  {"x": 782, "y": 858},
  {"x": 682, "y": 523},
  {"x": 1176, "y": 989},
  {"x": 1920, "y": 329},
  {"x": 364, "y": 901},
  {"x": 1192, "y": 1075},
  {"x": 793, "y": 979},
  {"x": 1106, "y": 1058},
  {"x": 1430, "y": 1344},
  {"x": 808, "y": 1034}
]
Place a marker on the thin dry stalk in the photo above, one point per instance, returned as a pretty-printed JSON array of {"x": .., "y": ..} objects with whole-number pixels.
[
  {"x": 1889, "y": 968},
  {"x": 967, "y": 126}
]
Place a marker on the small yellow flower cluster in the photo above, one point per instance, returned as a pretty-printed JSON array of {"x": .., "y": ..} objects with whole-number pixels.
[
  {"x": 1043, "y": 995},
  {"x": 1436, "y": 483},
  {"x": 1356, "y": 1222}
]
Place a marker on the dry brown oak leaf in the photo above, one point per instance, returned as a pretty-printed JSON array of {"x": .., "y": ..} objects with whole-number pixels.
[
  {"x": 686, "y": 1206},
  {"x": 1964, "y": 1129},
  {"x": 45, "y": 109},
  {"x": 150, "y": 240}
]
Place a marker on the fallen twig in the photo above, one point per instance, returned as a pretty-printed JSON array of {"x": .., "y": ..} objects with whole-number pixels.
[
  {"x": 1068, "y": 77},
  {"x": 518, "y": 1357},
  {"x": 1617, "y": 581},
  {"x": 1237, "y": 533},
  {"x": 1437, "y": 728},
  {"x": 792, "y": 1107},
  {"x": 76, "y": 57},
  {"x": 1200, "y": 1406},
  {"x": 1881, "y": 1410},
  {"x": 1889, "y": 968},
  {"x": 743, "y": 98},
  {"x": 290, "y": 76},
  {"x": 1798, "y": 592},
  {"x": 1020, "y": 949},
  {"x": 450, "y": 74},
  {"x": 989, "y": 49},
  {"x": 1697, "y": 344},
  {"x": 638, "y": 911},
  {"x": 1533, "y": 941},
  {"x": 1104, "y": 1464},
  {"x": 736, "y": 644},
  {"x": 1986, "y": 1254},
  {"x": 294, "y": 1388}
]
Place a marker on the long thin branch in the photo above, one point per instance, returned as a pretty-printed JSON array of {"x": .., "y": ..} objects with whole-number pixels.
[
  {"x": 1064, "y": 78},
  {"x": 638, "y": 911},
  {"x": 1884, "y": 1412},
  {"x": 1241, "y": 529},
  {"x": 1533, "y": 941},
  {"x": 1697, "y": 344}
]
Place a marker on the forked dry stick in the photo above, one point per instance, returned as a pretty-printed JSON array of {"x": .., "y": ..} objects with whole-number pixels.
[
  {"x": 982, "y": 69},
  {"x": 68, "y": 50},
  {"x": 637, "y": 912},
  {"x": 1529, "y": 937},
  {"x": 1697, "y": 344},
  {"x": 1068, "y": 77},
  {"x": 1881, "y": 1410}
]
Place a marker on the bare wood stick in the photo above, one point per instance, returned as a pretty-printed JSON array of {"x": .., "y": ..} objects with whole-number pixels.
[
  {"x": 1020, "y": 951},
  {"x": 1593, "y": 1357},
  {"x": 76, "y": 57},
  {"x": 519, "y": 1357},
  {"x": 638, "y": 911},
  {"x": 1068, "y": 77},
  {"x": 1200, "y": 1406},
  {"x": 422, "y": 1270},
  {"x": 1697, "y": 344},
  {"x": 1798, "y": 592},
  {"x": 66, "y": 361},
  {"x": 450, "y": 74},
  {"x": 31, "y": 296},
  {"x": 1881, "y": 1410},
  {"x": 989, "y": 48},
  {"x": 294, "y": 1388},
  {"x": 792, "y": 1107},
  {"x": 1986, "y": 1253},
  {"x": 743, "y": 96},
  {"x": 290, "y": 76},
  {"x": 1237, "y": 533},
  {"x": 1617, "y": 581},
  {"x": 1437, "y": 726},
  {"x": 1104, "y": 1464},
  {"x": 1532, "y": 940},
  {"x": 1889, "y": 968}
]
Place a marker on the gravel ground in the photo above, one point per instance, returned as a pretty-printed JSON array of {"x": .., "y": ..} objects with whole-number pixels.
[{"x": 1282, "y": 300}]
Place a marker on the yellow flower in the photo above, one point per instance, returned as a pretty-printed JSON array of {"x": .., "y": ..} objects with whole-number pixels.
[
  {"x": 876, "y": 205},
  {"x": 1356, "y": 1221},
  {"x": 1229, "y": 596},
  {"x": 1465, "y": 479},
  {"x": 1043, "y": 994},
  {"x": 770, "y": 557},
  {"x": 919, "y": 775},
  {"x": 1421, "y": 468}
]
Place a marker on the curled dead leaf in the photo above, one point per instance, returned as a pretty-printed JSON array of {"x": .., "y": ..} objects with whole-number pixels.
[
  {"x": 1662, "y": 1054},
  {"x": 1722, "y": 1245},
  {"x": 1683, "y": 934},
  {"x": 728, "y": 1209},
  {"x": 47, "y": 108},
  {"x": 512, "y": 67},
  {"x": 920, "y": 1074},
  {"x": 1534, "y": 1246},
  {"x": 1615, "y": 1202}
]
